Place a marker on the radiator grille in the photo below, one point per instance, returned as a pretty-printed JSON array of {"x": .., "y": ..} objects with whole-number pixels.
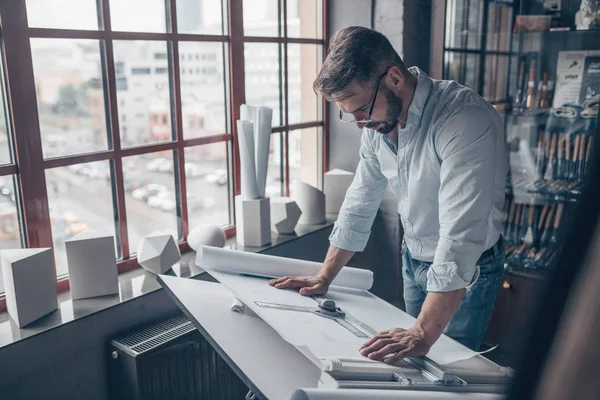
[{"x": 151, "y": 337}]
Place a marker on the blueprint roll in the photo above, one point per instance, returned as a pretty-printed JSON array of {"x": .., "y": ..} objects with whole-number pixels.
[
  {"x": 238, "y": 262},
  {"x": 247, "y": 160}
]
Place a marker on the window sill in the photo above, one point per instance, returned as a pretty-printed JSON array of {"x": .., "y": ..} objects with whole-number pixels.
[{"x": 132, "y": 284}]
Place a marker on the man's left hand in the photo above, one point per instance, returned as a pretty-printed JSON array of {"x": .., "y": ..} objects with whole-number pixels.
[{"x": 403, "y": 342}]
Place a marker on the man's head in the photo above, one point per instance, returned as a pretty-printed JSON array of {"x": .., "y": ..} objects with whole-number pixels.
[{"x": 362, "y": 70}]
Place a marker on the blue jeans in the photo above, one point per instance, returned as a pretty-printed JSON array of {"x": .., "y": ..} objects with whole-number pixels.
[{"x": 469, "y": 323}]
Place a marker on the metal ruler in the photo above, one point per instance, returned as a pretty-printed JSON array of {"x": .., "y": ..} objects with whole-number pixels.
[{"x": 327, "y": 308}]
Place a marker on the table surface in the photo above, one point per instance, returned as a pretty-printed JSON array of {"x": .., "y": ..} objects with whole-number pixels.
[{"x": 271, "y": 367}]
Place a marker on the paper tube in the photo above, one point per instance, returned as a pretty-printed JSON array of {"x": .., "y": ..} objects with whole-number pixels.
[
  {"x": 238, "y": 262},
  {"x": 247, "y": 164},
  {"x": 262, "y": 139}
]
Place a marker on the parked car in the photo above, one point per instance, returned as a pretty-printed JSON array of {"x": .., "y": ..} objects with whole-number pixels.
[
  {"x": 193, "y": 170},
  {"x": 156, "y": 200},
  {"x": 154, "y": 165},
  {"x": 147, "y": 191},
  {"x": 219, "y": 177}
]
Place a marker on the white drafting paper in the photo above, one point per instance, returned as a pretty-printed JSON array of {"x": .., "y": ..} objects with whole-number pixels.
[
  {"x": 247, "y": 160},
  {"x": 225, "y": 260},
  {"x": 248, "y": 113},
  {"x": 316, "y": 337},
  {"x": 262, "y": 140}
]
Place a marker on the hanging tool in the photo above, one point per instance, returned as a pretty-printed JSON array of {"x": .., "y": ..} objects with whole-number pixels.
[
  {"x": 547, "y": 226},
  {"x": 528, "y": 239},
  {"x": 559, "y": 211},
  {"x": 540, "y": 224},
  {"x": 574, "y": 157},
  {"x": 550, "y": 168}
]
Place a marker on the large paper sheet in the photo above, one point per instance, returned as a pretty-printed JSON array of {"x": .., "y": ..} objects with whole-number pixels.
[
  {"x": 247, "y": 160},
  {"x": 232, "y": 261},
  {"x": 349, "y": 394},
  {"x": 317, "y": 337}
]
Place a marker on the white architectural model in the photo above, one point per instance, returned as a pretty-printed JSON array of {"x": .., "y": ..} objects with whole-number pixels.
[
  {"x": 206, "y": 235},
  {"x": 285, "y": 214},
  {"x": 253, "y": 221},
  {"x": 158, "y": 252},
  {"x": 336, "y": 183},
  {"x": 311, "y": 201},
  {"x": 30, "y": 284},
  {"x": 92, "y": 265}
]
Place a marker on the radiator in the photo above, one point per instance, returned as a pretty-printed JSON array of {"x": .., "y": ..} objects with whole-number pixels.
[{"x": 170, "y": 360}]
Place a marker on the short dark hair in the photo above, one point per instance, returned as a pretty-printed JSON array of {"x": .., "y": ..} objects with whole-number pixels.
[{"x": 355, "y": 54}]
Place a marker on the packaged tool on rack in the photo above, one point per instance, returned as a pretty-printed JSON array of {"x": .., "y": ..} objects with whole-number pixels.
[{"x": 530, "y": 233}]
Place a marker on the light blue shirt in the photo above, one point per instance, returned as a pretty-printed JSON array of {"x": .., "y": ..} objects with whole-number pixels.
[{"x": 448, "y": 172}]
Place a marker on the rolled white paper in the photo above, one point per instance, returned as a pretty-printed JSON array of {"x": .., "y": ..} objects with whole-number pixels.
[
  {"x": 248, "y": 113},
  {"x": 262, "y": 139},
  {"x": 239, "y": 262},
  {"x": 237, "y": 306},
  {"x": 311, "y": 201},
  {"x": 247, "y": 160}
]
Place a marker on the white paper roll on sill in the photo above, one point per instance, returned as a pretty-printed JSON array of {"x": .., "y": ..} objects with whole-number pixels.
[
  {"x": 240, "y": 262},
  {"x": 262, "y": 140},
  {"x": 247, "y": 160}
]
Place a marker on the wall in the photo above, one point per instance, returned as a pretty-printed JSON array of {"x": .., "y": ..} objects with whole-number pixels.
[{"x": 70, "y": 361}]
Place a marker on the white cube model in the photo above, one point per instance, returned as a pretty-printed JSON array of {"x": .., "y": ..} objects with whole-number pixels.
[
  {"x": 158, "y": 252},
  {"x": 285, "y": 214},
  {"x": 311, "y": 201},
  {"x": 335, "y": 184},
  {"x": 253, "y": 221},
  {"x": 92, "y": 265},
  {"x": 30, "y": 284}
]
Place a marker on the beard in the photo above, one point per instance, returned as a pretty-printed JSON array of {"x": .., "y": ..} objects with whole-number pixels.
[{"x": 394, "y": 115}]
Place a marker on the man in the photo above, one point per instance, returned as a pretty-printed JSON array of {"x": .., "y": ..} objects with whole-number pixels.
[{"x": 440, "y": 147}]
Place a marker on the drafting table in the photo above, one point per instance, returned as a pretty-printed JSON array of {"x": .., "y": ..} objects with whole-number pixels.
[{"x": 271, "y": 367}]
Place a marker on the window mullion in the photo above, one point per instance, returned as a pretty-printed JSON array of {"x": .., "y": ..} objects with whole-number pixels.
[
  {"x": 238, "y": 91},
  {"x": 25, "y": 123},
  {"x": 115, "y": 138}
]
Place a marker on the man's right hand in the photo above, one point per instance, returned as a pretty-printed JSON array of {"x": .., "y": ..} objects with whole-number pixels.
[{"x": 308, "y": 285}]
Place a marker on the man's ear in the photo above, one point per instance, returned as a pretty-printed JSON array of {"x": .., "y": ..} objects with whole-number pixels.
[{"x": 395, "y": 79}]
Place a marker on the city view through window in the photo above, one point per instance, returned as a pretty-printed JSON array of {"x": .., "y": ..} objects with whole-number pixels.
[{"x": 72, "y": 100}]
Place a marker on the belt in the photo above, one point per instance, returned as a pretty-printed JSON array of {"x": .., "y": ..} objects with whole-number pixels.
[{"x": 492, "y": 250}]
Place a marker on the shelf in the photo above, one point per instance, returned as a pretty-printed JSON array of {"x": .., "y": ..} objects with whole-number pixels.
[
  {"x": 572, "y": 32},
  {"x": 529, "y": 273},
  {"x": 525, "y": 196}
]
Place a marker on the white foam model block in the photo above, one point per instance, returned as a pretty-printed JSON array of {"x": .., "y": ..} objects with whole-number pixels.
[
  {"x": 335, "y": 185},
  {"x": 253, "y": 222},
  {"x": 158, "y": 252},
  {"x": 206, "y": 235},
  {"x": 29, "y": 283},
  {"x": 311, "y": 201},
  {"x": 285, "y": 214},
  {"x": 92, "y": 265}
]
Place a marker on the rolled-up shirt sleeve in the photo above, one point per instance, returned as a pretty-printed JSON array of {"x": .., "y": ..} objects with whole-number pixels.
[
  {"x": 353, "y": 226},
  {"x": 467, "y": 147}
]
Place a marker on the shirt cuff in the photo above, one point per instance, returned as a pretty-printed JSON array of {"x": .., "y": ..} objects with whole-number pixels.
[
  {"x": 348, "y": 239},
  {"x": 443, "y": 277}
]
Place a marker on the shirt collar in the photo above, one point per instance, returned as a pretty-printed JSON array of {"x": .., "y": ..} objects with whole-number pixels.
[{"x": 422, "y": 92}]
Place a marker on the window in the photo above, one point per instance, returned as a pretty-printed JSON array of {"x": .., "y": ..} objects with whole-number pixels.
[
  {"x": 132, "y": 133},
  {"x": 483, "y": 65}
]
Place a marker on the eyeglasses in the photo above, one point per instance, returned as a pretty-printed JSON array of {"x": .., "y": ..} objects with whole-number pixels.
[{"x": 365, "y": 121}]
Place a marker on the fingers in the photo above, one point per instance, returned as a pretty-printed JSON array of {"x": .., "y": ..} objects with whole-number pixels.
[
  {"x": 315, "y": 289},
  {"x": 376, "y": 345},
  {"x": 385, "y": 350},
  {"x": 377, "y": 336},
  {"x": 275, "y": 281},
  {"x": 399, "y": 356}
]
